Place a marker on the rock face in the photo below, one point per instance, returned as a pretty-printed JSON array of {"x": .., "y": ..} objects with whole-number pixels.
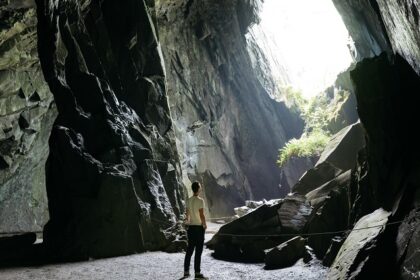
[
  {"x": 389, "y": 177},
  {"x": 27, "y": 113},
  {"x": 408, "y": 239},
  {"x": 292, "y": 171},
  {"x": 365, "y": 27},
  {"x": 380, "y": 25},
  {"x": 354, "y": 253},
  {"x": 385, "y": 108},
  {"x": 401, "y": 20},
  {"x": 228, "y": 128},
  {"x": 112, "y": 173}
]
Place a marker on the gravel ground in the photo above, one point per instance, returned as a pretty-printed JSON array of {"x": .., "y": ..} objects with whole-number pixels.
[{"x": 159, "y": 265}]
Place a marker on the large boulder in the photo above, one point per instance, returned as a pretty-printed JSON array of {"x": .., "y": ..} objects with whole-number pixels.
[
  {"x": 339, "y": 156},
  {"x": 269, "y": 225},
  {"x": 294, "y": 168},
  {"x": 362, "y": 241},
  {"x": 331, "y": 204},
  {"x": 285, "y": 254}
]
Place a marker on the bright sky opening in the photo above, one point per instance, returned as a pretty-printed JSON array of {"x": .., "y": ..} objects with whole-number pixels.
[{"x": 309, "y": 39}]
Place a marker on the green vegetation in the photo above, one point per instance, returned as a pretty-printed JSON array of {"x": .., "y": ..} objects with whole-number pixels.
[
  {"x": 321, "y": 114},
  {"x": 306, "y": 146}
]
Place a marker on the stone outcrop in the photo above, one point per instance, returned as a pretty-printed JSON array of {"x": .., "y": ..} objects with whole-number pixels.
[
  {"x": 286, "y": 217},
  {"x": 378, "y": 26},
  {"x": 228, "y": 128},
  {"x": 388, "y": 176},
  {"x": 332, "y": 204},
  {"x": 408, "y": 239},
  {"x": 365, "y": 27},
  {"x": 27, "y": 113},
  {"x": 286, "y": 254},
  {"x": 401, "y": 20},
  {"x": 354, "y": 253},
  {"x": 339, "y": 156},
  {"x": 294, "y": 168},
  {"x": 112, "y": 172}
]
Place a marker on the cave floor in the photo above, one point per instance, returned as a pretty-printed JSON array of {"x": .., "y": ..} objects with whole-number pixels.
[{"x": 159, "y": 265}]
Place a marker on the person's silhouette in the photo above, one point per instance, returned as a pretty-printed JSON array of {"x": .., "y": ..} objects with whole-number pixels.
[{"x": 196, "y": 222}]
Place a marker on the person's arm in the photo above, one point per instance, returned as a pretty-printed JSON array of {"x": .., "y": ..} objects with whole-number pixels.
[{"x": 203, "y": 218}]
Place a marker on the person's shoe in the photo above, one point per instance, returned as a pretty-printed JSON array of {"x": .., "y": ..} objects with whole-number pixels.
[
  {"x": 200, "y": 276},
  {"x": 186, "y": 274}
]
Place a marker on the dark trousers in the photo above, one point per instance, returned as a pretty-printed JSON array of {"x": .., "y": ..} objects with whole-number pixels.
[{"x": 195, "y": 241}]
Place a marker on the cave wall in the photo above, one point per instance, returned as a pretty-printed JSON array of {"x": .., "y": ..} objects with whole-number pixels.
[
  {"x": 387, "y": 175},
  {"x": 27, "y": 112},
  {"x": 112, "y": 172},
  {"x": 365, "y": 27},
  {"x": 228, "y": 128},
  {"x": 401, "y": 20},
  {"x": 379, "y": 25}
]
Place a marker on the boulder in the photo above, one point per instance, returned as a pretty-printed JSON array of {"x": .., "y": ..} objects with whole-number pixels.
[
  {"x": 316, "y": 177},
  {"x": 294, "y": 168},
  {"x": 331, "y": 212},
  {"x": 245, "y": 238},
  {"x": 339, "y": 156},
  {"x": 343, "y": 147},
  {"x": 362, "y": 241},
  {"x": 285, "y": 254}
]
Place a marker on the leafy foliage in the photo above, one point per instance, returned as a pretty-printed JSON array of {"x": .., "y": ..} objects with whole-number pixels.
[
  {"x": 306, "y": 146},
  {"x": 319, "y": 113}
]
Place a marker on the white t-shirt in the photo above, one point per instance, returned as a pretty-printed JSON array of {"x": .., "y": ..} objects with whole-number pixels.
[{"x": 194, "y": 204}]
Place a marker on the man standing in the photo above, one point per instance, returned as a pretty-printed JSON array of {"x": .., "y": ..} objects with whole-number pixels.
[{"x": 196, "y": 222}]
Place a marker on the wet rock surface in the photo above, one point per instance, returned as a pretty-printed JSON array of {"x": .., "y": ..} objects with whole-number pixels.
[
  {"x": 27, "y": 113},
  {"x": 112, "y": 172},
  {"x": 228, "y": 128}
]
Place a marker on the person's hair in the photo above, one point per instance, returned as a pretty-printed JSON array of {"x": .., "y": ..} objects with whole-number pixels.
[{"x": 195, "y": 187}]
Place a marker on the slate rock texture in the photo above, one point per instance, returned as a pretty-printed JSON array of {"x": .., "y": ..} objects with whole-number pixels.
[
  {"x": 112, "y": 172},
  {"x": 27, "y": 112},
  {"x": 228, "y": 128}
]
